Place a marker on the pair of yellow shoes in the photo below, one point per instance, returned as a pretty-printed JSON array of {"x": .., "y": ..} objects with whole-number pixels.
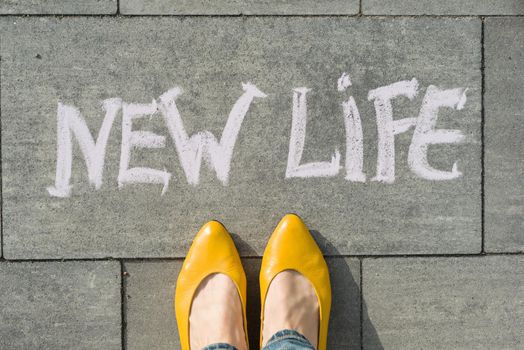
[{"x": 290, "y": 247}]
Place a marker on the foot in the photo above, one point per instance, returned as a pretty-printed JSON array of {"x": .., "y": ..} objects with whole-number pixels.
[
  {"x": 291, "y": 303},
  {"x": 216, "y": 314}
]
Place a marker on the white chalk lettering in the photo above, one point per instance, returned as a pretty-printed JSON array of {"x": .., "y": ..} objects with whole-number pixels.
[
  {"x": 298, "y": 139},
  {"x": 354, "y": 137},
  {"x": 354, "y": 142},
  {"x": 425, "y": 133},
  {"x": 190, "y": 150},
  {"x": 71, "y": 122},
  {"x": 139, "y": 139},
  {"x": 203, "y": 146},
  {"x": 387, "y": 127},
  {"x": 343, "y": 82}
]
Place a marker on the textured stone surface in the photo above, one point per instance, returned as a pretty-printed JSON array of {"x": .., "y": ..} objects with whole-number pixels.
[
  {"x": 69, "y": 7},
  {"x": 235, "y": 7},
  {"x": 83, "y": 61},
  {"x": 151, "y": 322},
  {"x": 60, "y": 305},
  {"x": 504, "y": 141},
  {"x": 150, "y": 319},
  {"x": 444, "y": 303},
  {"x": 443, "y": 7}
]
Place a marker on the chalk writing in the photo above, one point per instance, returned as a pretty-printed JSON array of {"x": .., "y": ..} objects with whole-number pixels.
[{"x": 218, "y": 154}]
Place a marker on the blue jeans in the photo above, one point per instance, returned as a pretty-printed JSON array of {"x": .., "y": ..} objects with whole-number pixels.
[{"x": 286, "y": 339}]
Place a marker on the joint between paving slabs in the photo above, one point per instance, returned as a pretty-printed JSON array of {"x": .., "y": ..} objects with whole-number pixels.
[
  {"x": 123, "y": 330},
  {"x": 243, "y": 15},
  {"x": 1, "y": 171},
  {"x": 482, "y": 138},
  {"x": 361, "y": 307},
  {"x": 341, "y": 256}
]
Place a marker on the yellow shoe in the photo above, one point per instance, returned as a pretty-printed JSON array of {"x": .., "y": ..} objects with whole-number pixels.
[
  {"x": 291, "y": 247},
  {"x": 212, "y": 251}
]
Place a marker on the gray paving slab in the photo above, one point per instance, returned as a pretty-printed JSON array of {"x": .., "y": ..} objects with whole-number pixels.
[
  {"x": 443, "y": 303},
  {"x": 63, "y": 7},
  {"x": 237, "y": 7},
  {"x": 504, "y": 136},
  {"x": 60, "y": 305},
  {"x": 55, "y": 69},
  {"x": 151, "y": 322},
  {"x": 443, "y": 7}
]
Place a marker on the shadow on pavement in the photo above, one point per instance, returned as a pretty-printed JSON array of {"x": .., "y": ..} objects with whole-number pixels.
[
  {"x": 347, "y": 312},
  {"x": 345, "y": 322}
]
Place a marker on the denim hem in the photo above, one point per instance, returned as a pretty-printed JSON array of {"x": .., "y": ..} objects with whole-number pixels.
[
  {"x": 221, "y": 346},
  {"x": 289, "y": 335}
]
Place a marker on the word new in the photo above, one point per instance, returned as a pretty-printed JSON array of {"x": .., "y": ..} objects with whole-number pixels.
[{"x": 192, "y": 149}]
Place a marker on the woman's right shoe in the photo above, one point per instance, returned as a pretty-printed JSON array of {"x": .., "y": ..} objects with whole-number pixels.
[{"x": 291, "y": 247}]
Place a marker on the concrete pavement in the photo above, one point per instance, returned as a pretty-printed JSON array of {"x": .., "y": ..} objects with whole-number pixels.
[{"x": 394, "y": 129}]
